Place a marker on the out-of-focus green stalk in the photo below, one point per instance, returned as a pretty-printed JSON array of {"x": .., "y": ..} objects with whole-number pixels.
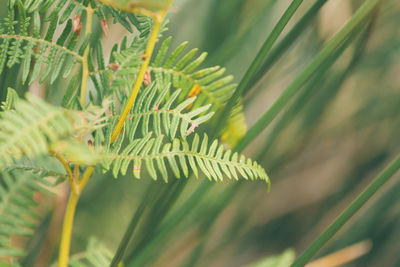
[
  {"x": 148, "y": 195},
  {"x": 363, "y": 12},
  {"x": 254, "y": 66},
  {"x": 286, "y": 42},
  {"x": 379, "y": 181}
]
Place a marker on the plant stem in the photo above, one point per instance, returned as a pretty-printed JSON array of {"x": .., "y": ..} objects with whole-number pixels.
[
  {"x": 70, "y": 175},
  {"x": 85, "y": 178},
  {"x": 251, "y": 71},
  {"x": 158, "y": 18},
  {"x": 85, "y": 67},
  {"x": 67, "y": 230},
  {"x": 388, "y": 172},
  {"x": 364, "y": 11},
  {"x": 76, "y": 189}
]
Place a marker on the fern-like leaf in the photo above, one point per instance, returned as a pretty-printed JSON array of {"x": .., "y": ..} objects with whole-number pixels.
[
  {"x": 118, "y": 76},
  {"x": 35, "y": 127},
  {"x": 18, "y": 46},
  {"x": 181, "y": 70},
  {"x": 42, "y": 166},
  {"x": 213, "y": 161},
  {"x": 209, "y": 84},
  {"x": 157, "y": 111}
]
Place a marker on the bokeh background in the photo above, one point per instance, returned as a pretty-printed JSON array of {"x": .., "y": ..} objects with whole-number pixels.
[{"x": 332, "y": 139}]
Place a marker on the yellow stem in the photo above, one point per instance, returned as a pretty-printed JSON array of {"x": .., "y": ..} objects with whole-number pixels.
[
  {"x": 71, "y": 177},
  {"x": 85, "y": 67},
  {"x": 158, "y": 18},
  {"x": 85, "y": 178},
  {"x": 69, "y": 216},
  {"x": 76, "y": 170},
  {"x": 67, "y": 230}
]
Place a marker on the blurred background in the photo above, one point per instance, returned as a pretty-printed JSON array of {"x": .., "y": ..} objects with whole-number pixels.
[{"x": 332, "y": 139}]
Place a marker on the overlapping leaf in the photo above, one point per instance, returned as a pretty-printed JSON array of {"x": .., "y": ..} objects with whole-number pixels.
[{"x": 35, "y": 127}]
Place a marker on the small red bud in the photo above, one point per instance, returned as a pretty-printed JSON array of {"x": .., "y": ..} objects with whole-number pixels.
[
  {"x": 37, "y": 197},
  {"x": 77, "y": 24},
  {"x": 113, "y": 66},
  {"x": 104, "y": 27},
  {"x": 147, "y": 78}
]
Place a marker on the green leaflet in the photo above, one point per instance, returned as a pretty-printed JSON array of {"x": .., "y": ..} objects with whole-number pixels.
[{"x": 11, "y": 99}]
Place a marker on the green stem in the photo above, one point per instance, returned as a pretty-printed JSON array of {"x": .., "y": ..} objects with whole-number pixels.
[
  {"x": 266, "y": 47},
  {"x": 385, "y": 175},
  {"x": 364, "y": 11}
]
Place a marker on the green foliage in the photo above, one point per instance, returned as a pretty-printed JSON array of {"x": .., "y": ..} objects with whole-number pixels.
[
  {"x": 209, "y": 84},
  {"x": 182, "y": 70},
  {"x": 213, "y": 161},
  {"x": 170, "y": 119},
  {"x": 164, "y": 114},
  {"x": 18, "y": 46},
  {"x": 11, "y": 99},
  {"x": 34, "y": 128},
  {"x": 17, "y": 198},
  {"x": 44, "y": 40},
  {"x": 95, "y": 255}
]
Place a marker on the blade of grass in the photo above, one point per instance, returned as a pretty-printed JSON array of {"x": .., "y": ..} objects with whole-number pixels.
[
  {"x": 146, "y": 252},
  {"x": 363, "y": 12},
  {"x": 254, "y": 66},
  {"x": 148, "y": 196},
  {"x": 376, "y": 184},
  {"x": 286, "y": 43},
  {"x": 159, "y": 209},
  {"x": 317, "y": 82}
]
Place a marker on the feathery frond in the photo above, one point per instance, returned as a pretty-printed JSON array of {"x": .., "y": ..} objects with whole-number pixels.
[
  {"x": 35, "y": 127},
  {"x": 213, "y": 161},
  {"x": 181, "y": 71},
  {"x": 157, "y": 111},
  {"x": 209, "y": 84},
  {"x": 41, "y": 166},
  {"x": 118, "y": 75},
  {"x": 20, "y": 46}
]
